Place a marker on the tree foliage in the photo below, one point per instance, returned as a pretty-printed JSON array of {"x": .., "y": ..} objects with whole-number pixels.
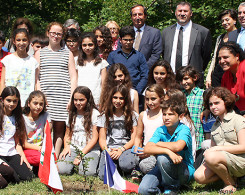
[{"x": 90, "y": 13}]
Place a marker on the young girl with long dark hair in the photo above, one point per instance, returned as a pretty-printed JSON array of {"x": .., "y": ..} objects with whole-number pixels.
[
  {"x": 81, "y": 131},
  {"x": 13, "y": 134},
  {"x": 117, "y": 130}
]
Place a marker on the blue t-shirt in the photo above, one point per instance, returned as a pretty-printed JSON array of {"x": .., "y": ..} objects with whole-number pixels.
[{"x": 182, "y": 132}]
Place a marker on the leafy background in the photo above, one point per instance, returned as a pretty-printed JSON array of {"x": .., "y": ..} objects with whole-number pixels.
[{"x": 91, "y": 13}]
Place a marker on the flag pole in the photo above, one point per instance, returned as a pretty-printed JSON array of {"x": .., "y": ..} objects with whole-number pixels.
[{"x": 107, "y": 177}]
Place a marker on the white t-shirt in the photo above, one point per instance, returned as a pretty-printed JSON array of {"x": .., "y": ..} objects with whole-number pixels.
[
  {"x": 90, "y": 76},
  {"x": 117, "y": 135},
  {"x": 79, "y": 134},
  {"x": 20, "y": 72},
  {"x": 35, "y": 129},
  {"x": 7, "y": 142}
]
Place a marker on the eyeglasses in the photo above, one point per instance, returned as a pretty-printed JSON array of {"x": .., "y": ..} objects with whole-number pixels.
[
  {"x": 128, "y": 40},
  {"x": 71, "y": 41},
  {"x": 53, "y": 34},
  {"x": 90, "y": 45}
]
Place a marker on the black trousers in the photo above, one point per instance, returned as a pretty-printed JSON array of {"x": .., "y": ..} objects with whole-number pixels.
[{"x": 21, "y": 172}]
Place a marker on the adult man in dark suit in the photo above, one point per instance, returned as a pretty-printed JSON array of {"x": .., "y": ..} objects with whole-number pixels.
[
  {"x": 238, "y": 35},
  {"x": 147, "y": 39},
  {"x": 195, "y": 42}
]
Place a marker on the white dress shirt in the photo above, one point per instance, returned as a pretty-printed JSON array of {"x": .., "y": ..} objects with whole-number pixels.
[{"x": 186, "y": 41}]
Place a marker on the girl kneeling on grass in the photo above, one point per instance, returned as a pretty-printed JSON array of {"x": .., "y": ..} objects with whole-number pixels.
[
  {"x": 13, "y": 134},
  {"x": 117, "y": 130},
  {"x": 225, "y": 159},
  {"x": 81, "y": 131},
  {"x": 35, "y": 117}
]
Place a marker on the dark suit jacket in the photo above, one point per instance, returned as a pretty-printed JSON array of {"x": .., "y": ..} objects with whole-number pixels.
[
  {"x": 234, "y": 34},
  {"x": 151, "y": 45},
  {"x": 200, "y": 46}
]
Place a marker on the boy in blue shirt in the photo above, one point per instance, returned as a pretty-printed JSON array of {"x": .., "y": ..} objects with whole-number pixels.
[
  {"x": 134, "y": 61},
  {"x": 172, "y": 143}
]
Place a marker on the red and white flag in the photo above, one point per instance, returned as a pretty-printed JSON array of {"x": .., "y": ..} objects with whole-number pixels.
[{"x": 48, "y": 172}]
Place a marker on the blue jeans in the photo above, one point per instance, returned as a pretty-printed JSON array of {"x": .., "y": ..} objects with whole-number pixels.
[{"x": 165, "y": 174}]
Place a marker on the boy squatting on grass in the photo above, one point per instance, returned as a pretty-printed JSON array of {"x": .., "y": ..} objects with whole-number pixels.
[{"x": 172, "y": 143}]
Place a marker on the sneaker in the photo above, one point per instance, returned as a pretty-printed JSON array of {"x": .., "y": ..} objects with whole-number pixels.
[
  {"x": 136, "y": 176},
  {"x": 170, "y": 192}
]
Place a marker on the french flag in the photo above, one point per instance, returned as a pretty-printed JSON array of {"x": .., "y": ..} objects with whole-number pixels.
[{"x": 114, "y": 180}]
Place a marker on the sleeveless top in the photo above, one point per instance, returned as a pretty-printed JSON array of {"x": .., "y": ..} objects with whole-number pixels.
[
  {"x": 150, "y": 126},
  {"x": 55, "y": 81}
]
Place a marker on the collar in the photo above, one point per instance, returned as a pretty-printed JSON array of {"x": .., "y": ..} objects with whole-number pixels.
[
  {"x": 165, "y": 130},
  {"x": 119, "y": 50},
  {"x": 229, "y": 115},
  {"x": 194, "y": 90},
  {"x": 141, "y": 29},
  {"x": 242, "y": 30},
  {"x": 185, "y": 26}
]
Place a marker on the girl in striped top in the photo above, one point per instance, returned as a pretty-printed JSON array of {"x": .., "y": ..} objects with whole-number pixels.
[{"x": 57, "y": 80}]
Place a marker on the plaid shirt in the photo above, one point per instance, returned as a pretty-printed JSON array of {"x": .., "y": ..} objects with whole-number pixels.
[{"x": 195, "y": 106}]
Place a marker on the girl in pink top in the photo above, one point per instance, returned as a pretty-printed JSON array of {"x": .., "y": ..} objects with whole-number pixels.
[{"x": 148, "y": 122}]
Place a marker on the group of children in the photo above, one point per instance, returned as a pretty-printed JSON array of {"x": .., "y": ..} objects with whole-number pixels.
[{"x": 160, "y": 142}]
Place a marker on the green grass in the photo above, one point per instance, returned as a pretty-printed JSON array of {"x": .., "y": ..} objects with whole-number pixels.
[{"x": 74, "y": 185}]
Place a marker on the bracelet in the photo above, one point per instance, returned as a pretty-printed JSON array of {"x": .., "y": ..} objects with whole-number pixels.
[
  {"x": 121, "y": 148},
  {"x": 124, "y": 148}
]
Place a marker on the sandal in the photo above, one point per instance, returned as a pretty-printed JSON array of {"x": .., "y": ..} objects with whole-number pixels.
[{"x": 225, "y": 191}]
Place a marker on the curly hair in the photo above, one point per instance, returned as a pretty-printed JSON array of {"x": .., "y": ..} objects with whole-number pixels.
[
  {"x": 234, "y": 49},
  {"x": 26, "y": 109},
  {"x": 82, "y": 56},
  {"x": 222, "y": 93},
  {"x": 169, "y": 82},
  {"x": 72, "y": 33},
  {"x": 127, "y": 108},
  {"x": 17, "y": 113},
  {"x": 88, "y": 111},
  {"x": 110, "y": 82},
  {"x": 106, "y": 47}
]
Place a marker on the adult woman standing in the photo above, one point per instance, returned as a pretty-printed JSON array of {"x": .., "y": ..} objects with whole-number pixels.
[
  {"x": 231, "y": 59},
  {"x": 114, "y": 28},
  {"x": 228, "y": 20},
  {"x": 57, "y": 80}
]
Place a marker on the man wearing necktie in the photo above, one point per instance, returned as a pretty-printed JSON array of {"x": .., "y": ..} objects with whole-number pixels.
[
  {"x": 241, "y": 18},
  {"x": 186, "y": 43},
  {"x": 147, "y": 39},
  {"x": 238, "y": 35}
]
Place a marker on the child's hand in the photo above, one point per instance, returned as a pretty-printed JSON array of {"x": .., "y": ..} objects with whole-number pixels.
[
  {"x": 66, "y": 151},
  {"x": 116, "y": 153},
  {"x": 76, "y": 161},
  {"x": 23, "y": 159},
  {"x": 205, "y": 114},
  {"x": 176, "y": 158},
  {"x": 141, "y": 154}
]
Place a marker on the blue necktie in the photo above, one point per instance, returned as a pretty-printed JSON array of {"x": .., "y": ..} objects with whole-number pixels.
[{"x": 242, "y": 39}]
